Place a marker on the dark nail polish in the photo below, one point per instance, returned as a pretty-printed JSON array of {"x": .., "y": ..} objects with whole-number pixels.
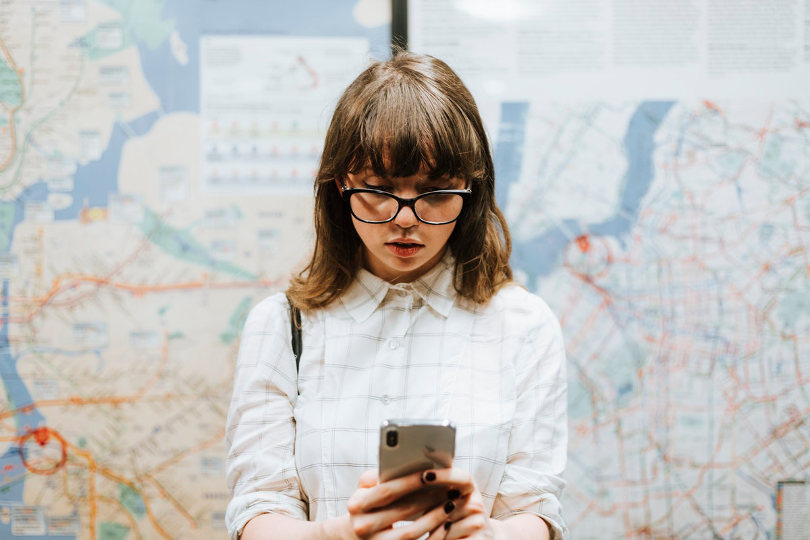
[
  {"x": 449, "y": 506},
  {"x": 453, "y": 494},
  {"x": 446, "y": 525},
  {"x": 430, "y": 476}
]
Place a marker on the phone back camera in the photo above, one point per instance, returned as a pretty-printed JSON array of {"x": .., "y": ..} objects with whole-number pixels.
[{"x": 391, "y": 438}]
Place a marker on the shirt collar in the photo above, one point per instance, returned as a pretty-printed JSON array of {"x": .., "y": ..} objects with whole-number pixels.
[{"x": 436, "y": 288}]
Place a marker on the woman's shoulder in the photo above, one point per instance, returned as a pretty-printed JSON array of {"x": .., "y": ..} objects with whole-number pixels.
[
  {"x": 272, "y": 303},
  {"x": 270, "y": 311},
  {"x": 516, "y": 303},
  {"x": 514, "y": 296}
]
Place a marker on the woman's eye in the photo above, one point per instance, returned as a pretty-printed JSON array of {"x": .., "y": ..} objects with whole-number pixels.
[{"x": 378, "y": 187}]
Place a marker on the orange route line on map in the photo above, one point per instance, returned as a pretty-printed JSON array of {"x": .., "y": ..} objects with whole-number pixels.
[
  {"x": 65, "y": 284},
  {"x": 196, "y": 448},
  {"x": 174, "y": 502},
  {"x": 175, "y": 459},
  {"x": 133, "y": 524},
  {"x": 12, "y": 132},
  {"x": 764, "y": 130},
  {"x": 111, "y": 475},
  {"x": 594, "y": 316},
  {"x": 792, "y": 200},
  {"x": 91, "y": 466},
  {"x": 139, "y": 395},
  {"x": 79, "y": 401},
  {"x": 118, "y": 268},
  {"x": 118, "y": 478}
]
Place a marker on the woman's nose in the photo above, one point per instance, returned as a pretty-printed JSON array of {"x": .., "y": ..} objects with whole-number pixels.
[{"x": 406, "y": 218}]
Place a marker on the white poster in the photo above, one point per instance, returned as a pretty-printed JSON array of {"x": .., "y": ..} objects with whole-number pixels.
[
  {"x": 265, "y": 105},
  {"x": 622, "y": 49}
]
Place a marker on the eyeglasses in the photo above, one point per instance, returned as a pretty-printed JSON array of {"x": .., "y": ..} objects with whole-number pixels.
[{"x": 434, "y": 207}]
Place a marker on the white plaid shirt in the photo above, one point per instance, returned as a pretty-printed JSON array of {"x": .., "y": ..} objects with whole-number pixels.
[{"x": 381, "y": 351}]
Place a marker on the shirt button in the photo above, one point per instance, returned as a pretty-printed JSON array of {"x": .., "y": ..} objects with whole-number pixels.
[
  {"x": 386, "y": 400},
  {"x": 402, "y": 294},
  {"x": 393, "y": 343}
]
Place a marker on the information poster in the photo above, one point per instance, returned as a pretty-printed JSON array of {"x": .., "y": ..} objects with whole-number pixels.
[
  {"x": 622, "y": 49},
  {"x": 265, "y": 103}
]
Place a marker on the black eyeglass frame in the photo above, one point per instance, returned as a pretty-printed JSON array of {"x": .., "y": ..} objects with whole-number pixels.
[{"x": 348, "y": 192}]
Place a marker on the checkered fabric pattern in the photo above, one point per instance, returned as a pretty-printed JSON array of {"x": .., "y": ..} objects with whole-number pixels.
[{"x": 298, "y": 442}]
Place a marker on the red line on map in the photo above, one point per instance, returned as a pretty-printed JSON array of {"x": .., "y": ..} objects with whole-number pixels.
[{"x": 42, "y": 436}]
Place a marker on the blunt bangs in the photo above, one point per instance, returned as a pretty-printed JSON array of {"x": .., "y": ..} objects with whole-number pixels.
[{"x": 405, "y": 123}]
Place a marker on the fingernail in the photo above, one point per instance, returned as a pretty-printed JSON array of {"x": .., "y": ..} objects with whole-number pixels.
[
  {"x": 453, "y": 494},
  {"x": 449, "y": 506},
  {"x": 428, "y": 476},
  {"x": 446, "y": 525}
]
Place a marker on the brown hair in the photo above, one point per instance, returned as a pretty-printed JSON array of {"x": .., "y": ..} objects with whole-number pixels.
[{"x": 408, "y": 114}]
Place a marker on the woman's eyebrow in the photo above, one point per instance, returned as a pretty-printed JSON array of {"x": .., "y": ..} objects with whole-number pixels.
[{"x": 443, "y": 180}]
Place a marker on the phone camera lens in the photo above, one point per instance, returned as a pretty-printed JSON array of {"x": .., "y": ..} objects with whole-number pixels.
[{"x": 391, "y": 438}]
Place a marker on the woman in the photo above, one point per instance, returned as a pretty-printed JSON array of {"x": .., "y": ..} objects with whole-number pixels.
[{"x": 409, "y": 311}]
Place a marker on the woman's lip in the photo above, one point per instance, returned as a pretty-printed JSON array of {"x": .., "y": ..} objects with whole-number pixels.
[
  {"x": 402, "y": 249},
  {"x": 404, "y": 241}
]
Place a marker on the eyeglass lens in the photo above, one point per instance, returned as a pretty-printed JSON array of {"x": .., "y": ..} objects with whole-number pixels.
[{"x": 432, "y": 207}]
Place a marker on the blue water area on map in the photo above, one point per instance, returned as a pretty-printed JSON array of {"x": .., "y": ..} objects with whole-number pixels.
[
  {"x": 177, "y": 85},
  {"x": 16, "y": 391},
  {"x": 540, "y": 255},
  {"x": 639, "y": 146},
  {"x": 12, "y": 470},
  {"x": 36, "y": 192},
  {"x": 508, "y": 154},
  {"x": 95, "y": 182}
]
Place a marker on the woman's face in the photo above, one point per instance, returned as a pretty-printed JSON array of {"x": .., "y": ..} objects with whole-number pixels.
[{"x": 403, "y": 249}]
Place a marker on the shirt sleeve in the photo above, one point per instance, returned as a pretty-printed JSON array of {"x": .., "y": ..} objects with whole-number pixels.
[
  {"x": 260, "y": 433},
  {"x": 532, "y": 480}
]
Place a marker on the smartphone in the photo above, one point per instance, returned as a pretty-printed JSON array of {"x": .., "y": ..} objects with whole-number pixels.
[{"x": 408, "y": 446}]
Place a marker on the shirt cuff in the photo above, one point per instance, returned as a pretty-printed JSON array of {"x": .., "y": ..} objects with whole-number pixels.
[
  {"x": 243, "y": 508},
  {"x": 549, "y": 510}
]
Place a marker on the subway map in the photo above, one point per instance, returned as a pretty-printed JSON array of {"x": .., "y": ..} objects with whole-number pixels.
[
  {"x": 125, "y": 277},
  {"x": 680, "y": 273},
  {"x": 142, "y": 214}
]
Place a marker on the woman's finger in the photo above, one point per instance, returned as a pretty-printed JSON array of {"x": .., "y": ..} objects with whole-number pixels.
[
  {"x": 469, "y": 526},
  {"x": 385, "y": 493},
  {"x": 440, "y": 532},
  {"x": 428, "y": 523},
  {"x": 409, "y": 507},
  {"x": 452, "y": 477},
  {"x": 388, "y": 492},
  {"x": 368, "y": 479}
]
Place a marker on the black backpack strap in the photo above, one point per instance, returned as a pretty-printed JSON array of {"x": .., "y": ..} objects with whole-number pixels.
[{"x": 295, "y": 329}]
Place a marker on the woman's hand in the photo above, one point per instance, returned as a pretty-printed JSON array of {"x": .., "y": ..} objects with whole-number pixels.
[
  {"x": 467, "y": 517},
  {"x": 374, "y": 508}
]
